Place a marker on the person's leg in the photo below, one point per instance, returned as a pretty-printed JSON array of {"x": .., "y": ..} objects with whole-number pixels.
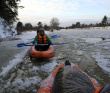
[
  {"x": 41, "y": 48},
  {"x": 46, "y": 47},
  {"x": 37, "y": 47}
]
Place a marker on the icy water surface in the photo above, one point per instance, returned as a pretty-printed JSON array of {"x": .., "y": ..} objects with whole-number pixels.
[{"x": 83, "y": 49}]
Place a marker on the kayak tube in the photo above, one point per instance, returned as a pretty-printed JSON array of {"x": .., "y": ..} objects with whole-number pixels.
[
  {"x": 39, "y": 54},
  {"x": 54, "y": 83}
]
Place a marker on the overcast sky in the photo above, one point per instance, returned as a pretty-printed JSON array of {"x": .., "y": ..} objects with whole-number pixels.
[{"x": 67, "y": 11}]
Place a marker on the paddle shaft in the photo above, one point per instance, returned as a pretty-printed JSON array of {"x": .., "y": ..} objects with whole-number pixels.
[
  {"x": 38, "y": 44},
  {"x": 26, "y": 44},
  {"x": 48, "y": 44}
]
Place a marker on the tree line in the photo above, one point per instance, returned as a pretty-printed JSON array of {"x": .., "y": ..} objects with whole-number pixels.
[
  {"x": 105, "y": 22},
  {"x": 54, "y": 24}
]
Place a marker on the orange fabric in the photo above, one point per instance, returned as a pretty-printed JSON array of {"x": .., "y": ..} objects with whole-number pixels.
[
  {"x": 40, "y": 39},
  {"x": 98, "y": 91},
  {"x": 38, "y": 54}
]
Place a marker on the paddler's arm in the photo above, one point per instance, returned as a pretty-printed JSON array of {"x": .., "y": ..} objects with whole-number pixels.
[
  {"x": 48, "y": 39},
  {"x": 36, "y": 39}
]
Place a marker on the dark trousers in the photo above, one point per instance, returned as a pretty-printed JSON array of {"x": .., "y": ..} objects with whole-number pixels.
[{"x": 42, "y": 48}]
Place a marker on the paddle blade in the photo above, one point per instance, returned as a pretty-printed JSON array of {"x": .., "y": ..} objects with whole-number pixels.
[
  {"x": 105, "y": 89},
  {"x": 55, "y": 36},
  {"x": 21, "y": 44}
]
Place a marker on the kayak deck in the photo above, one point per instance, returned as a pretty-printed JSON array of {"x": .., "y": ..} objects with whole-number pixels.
[{"x": 48, "y": 83}]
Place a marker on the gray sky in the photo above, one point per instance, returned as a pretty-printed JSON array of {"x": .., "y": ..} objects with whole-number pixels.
[{"x": 67, "y": 11}]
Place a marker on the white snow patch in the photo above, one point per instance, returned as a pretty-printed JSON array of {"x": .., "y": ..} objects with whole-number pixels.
[
  {"x": 14, "y": 62},
  {"x": 26, "y": 82},
  {"x": 102, "y": 62},
  {"x": 49, "y": 67},
  {"x": 6, "y": 30},
  {"x": 79, "y": 52},
  {"x": 92, "y": 40},
  {"x": 106, "y": 47}
]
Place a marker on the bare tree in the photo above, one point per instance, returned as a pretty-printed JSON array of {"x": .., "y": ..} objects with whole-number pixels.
[
  {"x": 54, "y": 23},
  {"x": 78, "y": 25},
  {"x": 40, "y": 25}
]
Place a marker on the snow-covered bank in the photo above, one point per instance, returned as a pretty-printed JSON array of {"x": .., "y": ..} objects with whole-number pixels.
[
  {"x": 25, "y": 37},
  {"x": 6, "y": 30}
]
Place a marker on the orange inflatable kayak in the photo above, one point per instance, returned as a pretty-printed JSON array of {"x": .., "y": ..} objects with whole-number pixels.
[
  {"x": 48, "y": 83},
  {"x": 38, "y": 54}
]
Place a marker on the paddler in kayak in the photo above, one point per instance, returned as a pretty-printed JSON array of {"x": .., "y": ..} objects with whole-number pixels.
[{"x": 42, "y": 38}]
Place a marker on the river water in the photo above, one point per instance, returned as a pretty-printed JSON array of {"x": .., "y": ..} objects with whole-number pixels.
[{"x": 82, "y": 48}]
